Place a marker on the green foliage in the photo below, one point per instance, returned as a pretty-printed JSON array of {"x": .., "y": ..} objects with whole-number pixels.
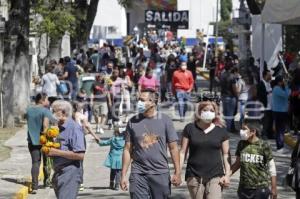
[
  {"x": 225, "y": 23},
  {"x": 292, "y": 33},
  {"x": 53, "y": 18},
  {"x": 125, "y": 3},
  {"x": 226, "y": 9},
  {"x": 224, "y": 32}
]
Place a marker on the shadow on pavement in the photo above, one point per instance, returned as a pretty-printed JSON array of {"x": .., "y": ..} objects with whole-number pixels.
[
  {"x": 16, "y": 181},
  {"x": 97, "y": 188}
]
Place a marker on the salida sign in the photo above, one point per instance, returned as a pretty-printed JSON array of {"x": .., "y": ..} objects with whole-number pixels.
[{"x": 176, "y": 19}]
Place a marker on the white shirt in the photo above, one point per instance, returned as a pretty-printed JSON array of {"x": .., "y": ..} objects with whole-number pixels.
[{"x": 49, "y": 83}]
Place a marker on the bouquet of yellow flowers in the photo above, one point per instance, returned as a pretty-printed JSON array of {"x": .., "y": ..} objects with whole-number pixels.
[
  {"x": 48, "y": 141},
  {"x": 108, "y": 81}
]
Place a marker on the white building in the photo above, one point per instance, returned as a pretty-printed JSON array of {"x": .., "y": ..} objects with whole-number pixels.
[
  {"x": 110, "y": 21},
  {"x": 111, "y": 17},
  {"x": 201, "y": 14}
]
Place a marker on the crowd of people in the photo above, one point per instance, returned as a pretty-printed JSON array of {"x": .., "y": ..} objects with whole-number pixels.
[{"x": 153, "y": 74}]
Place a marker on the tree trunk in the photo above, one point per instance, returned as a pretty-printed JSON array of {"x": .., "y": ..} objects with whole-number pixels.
[
  {"x": 84, "y": 27},
  {"x": 16, "y": 71},
  {"x": 91, "y": 14}
]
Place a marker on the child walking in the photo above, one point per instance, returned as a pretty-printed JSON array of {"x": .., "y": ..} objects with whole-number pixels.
[
  {"x": 255, "y": 161},
  {"x": 114, "y": 157}
]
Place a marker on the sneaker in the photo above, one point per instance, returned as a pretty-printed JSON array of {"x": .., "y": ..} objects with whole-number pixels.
[
  {"x": 101, "y": 131},
  {"x": 81, "y": 188},
  {"x": 33, "y": 191},
  {"x": 283, "y": 151}
]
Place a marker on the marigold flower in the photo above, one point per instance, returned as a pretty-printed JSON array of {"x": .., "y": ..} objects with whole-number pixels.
[
  {"x": 43, "y": 139},
  {"x": 49, "y": 144},
  {"x": 45, "y": 149},
  {"x": 56, "y": 145},
  {"x": 52, "y": 132}
]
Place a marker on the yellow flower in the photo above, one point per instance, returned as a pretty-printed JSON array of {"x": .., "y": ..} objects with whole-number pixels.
[
  {"x": 49, "y": 144},
  {"x": 56, "y": 145},
  {"x": 43, "y": 139},
  {"x": 52, "y": 132},
  {"x": 45, "y": 149},
  {"x": 108, "y": 81}
]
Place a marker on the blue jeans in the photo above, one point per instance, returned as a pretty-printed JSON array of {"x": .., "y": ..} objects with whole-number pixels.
[
  {"x": 74, "y": 91},
  {"x": 182, "y": 98},
  {"x": 229, "y": 109}
]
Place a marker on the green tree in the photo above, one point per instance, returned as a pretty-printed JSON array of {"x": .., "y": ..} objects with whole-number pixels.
[
  {"x": 53, "y": 18},
  {"x": 226, "y": 10},
  {"x": 292, "y": 44},
  {"x": 225, "y": 23}
]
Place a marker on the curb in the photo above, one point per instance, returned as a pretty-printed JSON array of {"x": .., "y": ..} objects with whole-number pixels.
[
  {"x": 290, "y": 140},
  {"x": 24, "y": 191}
]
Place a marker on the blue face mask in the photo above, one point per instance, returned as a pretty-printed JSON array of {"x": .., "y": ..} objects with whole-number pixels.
[{"x": 141, "y": 106}]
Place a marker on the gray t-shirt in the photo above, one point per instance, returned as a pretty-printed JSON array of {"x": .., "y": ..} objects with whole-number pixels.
[
  {"x": 149, "y": 138},
  {"x": 71, "y": 138}
]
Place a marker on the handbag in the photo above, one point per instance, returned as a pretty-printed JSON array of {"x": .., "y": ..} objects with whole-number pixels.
[
  {"x": 62, "y": 88},
  {"x": 291, "y": 176}
]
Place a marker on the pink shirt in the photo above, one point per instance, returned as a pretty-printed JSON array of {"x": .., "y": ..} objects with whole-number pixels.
[{"x": 148, "y": 83}]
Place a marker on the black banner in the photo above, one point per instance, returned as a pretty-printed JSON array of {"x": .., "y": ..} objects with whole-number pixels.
[{"x": 175, "y": 19}]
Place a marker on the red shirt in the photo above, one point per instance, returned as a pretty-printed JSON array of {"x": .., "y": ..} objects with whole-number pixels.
[
  {"x": 182, "y": 80},
  {"x": 130, "y": 74}
]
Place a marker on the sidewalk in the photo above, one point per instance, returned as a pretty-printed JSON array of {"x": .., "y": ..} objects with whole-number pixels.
[{"x": 15, "y": 171}]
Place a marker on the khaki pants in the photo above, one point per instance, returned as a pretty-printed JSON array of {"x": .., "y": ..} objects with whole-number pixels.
[{"x": 211, "y": 190}]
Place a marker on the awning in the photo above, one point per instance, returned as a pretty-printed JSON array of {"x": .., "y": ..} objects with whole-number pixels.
[{"x": 282, "y": 12}]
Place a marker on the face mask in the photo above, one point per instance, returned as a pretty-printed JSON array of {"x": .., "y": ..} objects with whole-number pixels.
[
  {"x": 122, "y": 129},
  {"x": 207, "y": 116},
  {"x": 109, "y": 70},
  {"x": 244, "y": 135},
  {"x": 141, "y": 106},
  {"x": 183, "y": 67}
]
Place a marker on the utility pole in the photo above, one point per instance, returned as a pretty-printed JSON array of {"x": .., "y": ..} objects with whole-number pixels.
[
  {"x": 217, "y": 30},
  {"x": 244, "y": 31}
]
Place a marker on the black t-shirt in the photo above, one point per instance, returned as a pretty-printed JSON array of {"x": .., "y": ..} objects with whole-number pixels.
[
  {"x": 205, "y": 151},
  {"x": 227, "y": 82},
  {"x": 170, "y": 69}
]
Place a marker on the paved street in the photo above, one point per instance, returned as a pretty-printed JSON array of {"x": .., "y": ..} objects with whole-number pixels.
[{"x": 96, "y": 176}]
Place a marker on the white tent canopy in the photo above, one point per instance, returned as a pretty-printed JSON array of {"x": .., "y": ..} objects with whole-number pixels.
[{"x": 282, "y": 12}]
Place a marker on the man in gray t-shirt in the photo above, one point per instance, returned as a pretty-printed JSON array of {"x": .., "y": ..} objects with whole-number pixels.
[{"x": 148, "y": 135}]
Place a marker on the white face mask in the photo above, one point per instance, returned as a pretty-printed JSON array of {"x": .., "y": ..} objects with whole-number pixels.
[
  {"x": 183, "y": 67},
  {"x": 207, "y": 116},
  {"x": 244, "y": 135},
  {"x": 122, "y": 129}
]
